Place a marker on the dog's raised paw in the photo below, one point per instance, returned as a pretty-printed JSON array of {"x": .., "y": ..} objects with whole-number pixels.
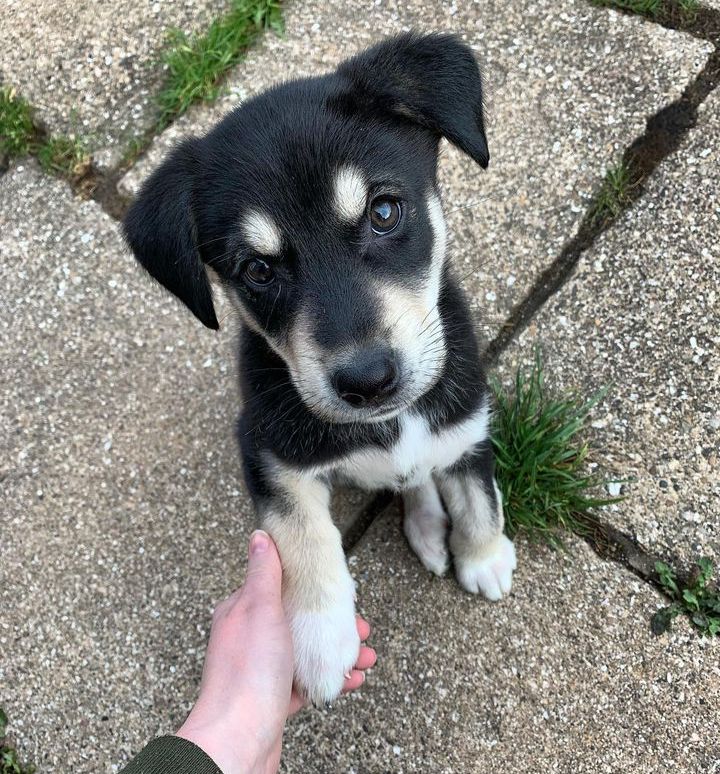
[
  {"x": 326, "y": 646},
  {"x": 489, "y": 574}
]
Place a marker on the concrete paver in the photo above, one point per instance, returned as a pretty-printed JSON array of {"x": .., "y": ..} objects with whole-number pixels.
[
  {"x": 123, "y": 513},
  {"x": 124, "y": 516},
  {"x": 569, "y": 86},
  {"x": 91, "y": 68},
  {"x": 124, "y": 519},
  {"x": 563, "y": 676},
  {"x": 642, "y": 314}
]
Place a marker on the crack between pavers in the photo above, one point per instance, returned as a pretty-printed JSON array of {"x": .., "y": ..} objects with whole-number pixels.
[
  {"x": 663, "y": 135},
  {"x": 372, "y": 510}
]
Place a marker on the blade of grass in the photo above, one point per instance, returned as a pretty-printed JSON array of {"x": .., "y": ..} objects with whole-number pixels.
[
  {"x": 195, "y": 65},
  {"x": 541, "y": 464}
]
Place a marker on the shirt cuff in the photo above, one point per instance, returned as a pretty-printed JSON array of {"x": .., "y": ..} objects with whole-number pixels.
[{"x": 171, "y": 755}]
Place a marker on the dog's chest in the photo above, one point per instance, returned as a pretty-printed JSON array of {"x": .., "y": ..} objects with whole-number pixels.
[{"x": 416, "y": 455}]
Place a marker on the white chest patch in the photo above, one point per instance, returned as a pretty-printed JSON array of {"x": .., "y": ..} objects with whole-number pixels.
[{"x": 418, "y": 452}]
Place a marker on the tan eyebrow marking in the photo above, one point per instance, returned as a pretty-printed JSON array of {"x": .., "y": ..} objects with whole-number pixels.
[
  {"x": 350, "y": 192},
  {"x": 261, "y": 232}
]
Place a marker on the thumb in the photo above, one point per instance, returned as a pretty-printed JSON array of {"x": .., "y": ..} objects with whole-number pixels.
[{"x": 263, "y": 582}]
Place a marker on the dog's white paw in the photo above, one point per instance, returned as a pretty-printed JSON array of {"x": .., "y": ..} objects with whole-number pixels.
[
  {"x": 489, "y": 573},
  {"x": 326, "y": 647},
  {"x": 425, "y": 527}
]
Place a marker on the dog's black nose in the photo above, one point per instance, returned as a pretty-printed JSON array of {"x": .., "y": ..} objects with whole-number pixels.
[{"x": 371, "y": 377}]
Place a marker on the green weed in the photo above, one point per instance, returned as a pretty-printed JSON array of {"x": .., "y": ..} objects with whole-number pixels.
[
  {"x": 541, "y": 463},
  {"x": 613, "y": 194},
  {"x": 195, "y": 65},
  {"x": 64, "y": 156},
  {"x": 9, "y": 763},
  {"x": 16, "y": 126},
  {"x": 688, "y": 10},
  {"x": 652, "y": 8},
  {"x": 683, "y": 12},
  {"x": 699, "y": 600}
]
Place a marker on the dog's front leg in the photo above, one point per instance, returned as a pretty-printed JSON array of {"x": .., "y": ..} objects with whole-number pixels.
[
  {"x": 318, "y": 591},
  {"x": 484, "y": 558}
]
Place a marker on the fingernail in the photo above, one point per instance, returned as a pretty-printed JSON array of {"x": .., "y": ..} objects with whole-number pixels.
[{"x": 259, "y": 542}]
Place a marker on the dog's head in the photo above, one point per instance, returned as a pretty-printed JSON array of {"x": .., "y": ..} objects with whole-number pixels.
[{"x": 316, "y": 205}]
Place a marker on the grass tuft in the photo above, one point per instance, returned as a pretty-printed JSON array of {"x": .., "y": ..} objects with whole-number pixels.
[
  {"x": 699, "y": 600},
  {"x": 196, "y": 64},
  {"x": 16, "y": 125},
  {"x": 613, "y": 194},
  {"x": 9, "y": 763},
  {"x": 64, "y": 156},
  {"x": 683, "y": 11},
  {"x": 689, "y": 10},
  {"x": 541, "y": 465},
  {"x": 652, "y": 8}
]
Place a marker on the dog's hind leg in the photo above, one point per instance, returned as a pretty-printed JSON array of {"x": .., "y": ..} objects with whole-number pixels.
[
  {"x": 425, "y": 525},
  {"x": 484, "y": 557}
]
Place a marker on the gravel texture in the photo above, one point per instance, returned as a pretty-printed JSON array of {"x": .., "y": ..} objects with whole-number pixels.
[
  {"x": 563, "y": 676},
  {"x": 124, "y": 518},
  {"x": 568, "y": 87},
  {"x": 642, "y": 314},
  {"x": 91, "y": 68}
]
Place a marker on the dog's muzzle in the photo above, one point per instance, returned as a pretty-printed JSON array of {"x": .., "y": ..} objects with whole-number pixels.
[{"x": 369, "y": 379}]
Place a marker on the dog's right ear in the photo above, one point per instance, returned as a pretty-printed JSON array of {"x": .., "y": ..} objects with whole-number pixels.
[{"x": 160, "y": 230}]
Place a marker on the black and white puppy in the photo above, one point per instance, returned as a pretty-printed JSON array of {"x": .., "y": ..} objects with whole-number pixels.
[{"x": 316, "y": 206}]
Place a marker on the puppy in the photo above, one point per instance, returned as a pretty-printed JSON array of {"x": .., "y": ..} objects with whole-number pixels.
[{"x": 316, "y": 207}]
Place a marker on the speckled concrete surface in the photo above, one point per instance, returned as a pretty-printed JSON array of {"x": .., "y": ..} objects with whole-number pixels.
[
  {"x": 569, "y": 86},
  {"x": 563, "y": 676},
  {"x": 124, "y": 518},
  {"x": 643, "y": 314},
  {"x": 92, "y": 68}
]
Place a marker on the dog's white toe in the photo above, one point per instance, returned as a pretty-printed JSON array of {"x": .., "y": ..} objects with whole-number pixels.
[
  {"x": 425, "y": 527},
  {"x": 489, "y": 574},
  {"x": 326, "y": 647}
]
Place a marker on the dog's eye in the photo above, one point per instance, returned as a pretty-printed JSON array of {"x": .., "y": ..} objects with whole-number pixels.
[
  {"x": 384, "y": 215},
  {"x": 257, "y": 272}
]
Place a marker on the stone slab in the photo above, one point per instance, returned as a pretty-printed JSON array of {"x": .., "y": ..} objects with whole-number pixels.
[
  {"x": 642, "y": 314},
  {"x": 562, "y": 676},
  {"x": 124, "y": 517},
  {"x": 92, "y": 68},
  {"x": 569, "y": 86}
]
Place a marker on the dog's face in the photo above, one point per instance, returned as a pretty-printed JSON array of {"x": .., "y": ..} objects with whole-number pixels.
[{"x": 316, "y": 206}]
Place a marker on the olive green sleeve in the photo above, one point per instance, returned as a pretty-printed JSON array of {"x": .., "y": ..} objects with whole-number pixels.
[{"x": 171, "y": 755}]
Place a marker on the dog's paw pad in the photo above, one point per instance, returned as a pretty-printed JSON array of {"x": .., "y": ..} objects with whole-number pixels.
[
  {"x": 490, "y": 574},
  {"x": 326, "y": 647}
]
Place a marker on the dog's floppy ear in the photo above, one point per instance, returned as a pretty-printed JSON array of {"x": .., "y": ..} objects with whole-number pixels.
[
  {"x": 431, "y": 79},
  {"x": 160, "y": 230}
]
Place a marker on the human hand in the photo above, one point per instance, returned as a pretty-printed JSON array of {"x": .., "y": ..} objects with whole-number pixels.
[{"x": 246, "y": 692}]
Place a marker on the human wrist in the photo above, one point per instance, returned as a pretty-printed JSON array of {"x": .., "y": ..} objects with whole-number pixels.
[{"x": 231, "y": 752}]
